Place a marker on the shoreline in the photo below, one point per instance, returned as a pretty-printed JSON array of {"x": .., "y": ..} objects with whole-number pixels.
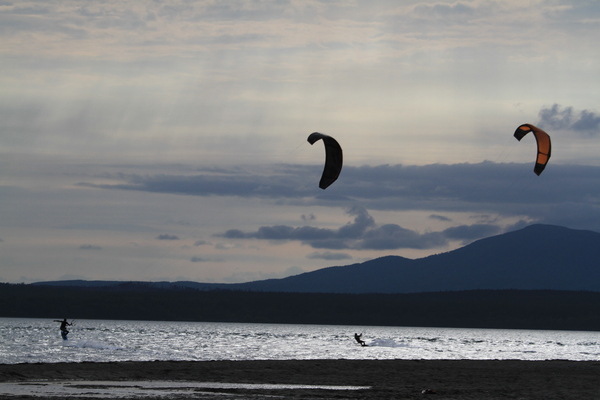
[{"x": 405, "y": 379}]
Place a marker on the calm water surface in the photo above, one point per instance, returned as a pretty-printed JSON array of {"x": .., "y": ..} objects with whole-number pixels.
[{"x": 38, "y": 340}]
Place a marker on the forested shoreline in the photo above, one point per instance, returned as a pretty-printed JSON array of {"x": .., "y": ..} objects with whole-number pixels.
[{"x": 497, "y": 309}]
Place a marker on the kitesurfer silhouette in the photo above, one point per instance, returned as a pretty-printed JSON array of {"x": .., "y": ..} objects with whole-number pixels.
[
  {"x": 359, "y": 340},
  {"x": 63, "y": 327}
]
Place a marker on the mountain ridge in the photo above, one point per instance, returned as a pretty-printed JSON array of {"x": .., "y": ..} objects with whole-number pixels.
[{"x": 537, "y": 257}]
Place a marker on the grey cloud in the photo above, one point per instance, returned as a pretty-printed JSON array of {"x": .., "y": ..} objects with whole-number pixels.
[
  {"x": 444, "y": 10},
  {"x": 588, "y": 122},
  {"x": 109, "y": 227},
  {"x": 328, "y": 255},
  {"x": 485, "y": 218},
  {"x": 281, "y": 232},
  {"x": 439, "y": 217},
  {"x": 392, "y": 236},
  {"x": 200, "y": 242},
  {"x": 364, "y": 234},
  {"x": 468, "y": 233},
  {"x": 293, "y": 181},
  {"x": 356, "y": 229},
  {"x": 577, "y": 16},
  {"x": 205, "y": 259},
  {"x": 128, "y": 20},
  {"x": 351, "y": 230},
  {"x": 555, "y": 117},
  {"x": 37, "y": 19},
  {"x": 566, "y": 118},
  {"x": 166, "y": 236},
  {"x": 241, "y": 185},
  {"x": 482, "y": 188},
  {"x": 309, "y": 217},
  {"x": 29, "y": 10},
  {"x": 89, "y": 247},
  {"x": 235, "y": 234}
]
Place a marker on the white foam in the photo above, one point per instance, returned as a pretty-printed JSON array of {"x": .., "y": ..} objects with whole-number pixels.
[{"x": 386, "y": 343}]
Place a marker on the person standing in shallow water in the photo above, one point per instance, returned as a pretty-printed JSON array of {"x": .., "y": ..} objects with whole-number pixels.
[
  {"x": 63, "y": 327},
  {"x": 359, "y": 340}
]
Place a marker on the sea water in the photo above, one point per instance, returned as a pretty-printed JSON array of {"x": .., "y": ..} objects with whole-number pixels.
[{"x": 38, "y": 340}]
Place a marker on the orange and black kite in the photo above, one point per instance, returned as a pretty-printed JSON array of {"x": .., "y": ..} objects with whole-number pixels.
[{"x": 544, "y": 145}]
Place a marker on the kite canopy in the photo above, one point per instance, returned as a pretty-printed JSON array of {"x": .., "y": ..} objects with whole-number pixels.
[
  {"x": 544, "y": 146},
  {"x": 333, "y": 158}
]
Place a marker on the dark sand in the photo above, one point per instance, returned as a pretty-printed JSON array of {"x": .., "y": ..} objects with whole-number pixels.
[{"x": 387, "y": 379}]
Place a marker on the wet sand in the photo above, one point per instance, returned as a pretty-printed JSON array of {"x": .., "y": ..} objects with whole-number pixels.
[{"x": 386, "y": 379}]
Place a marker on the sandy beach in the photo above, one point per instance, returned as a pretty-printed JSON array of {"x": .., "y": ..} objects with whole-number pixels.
[{"x": 378, "y": 379}]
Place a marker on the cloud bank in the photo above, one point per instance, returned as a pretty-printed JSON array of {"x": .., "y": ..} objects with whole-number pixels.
[
  {"x": 557, "y": 117},
  {"x": 481, "y": 187},
  {"x": 166, "y": 236},
  {"x": 364, "y": 234},
  {"x": 490, "y": 192}
]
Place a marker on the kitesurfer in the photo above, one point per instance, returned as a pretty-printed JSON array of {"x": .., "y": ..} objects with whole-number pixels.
[
  {"x": 359, "y": 340},
  {"x": 63, "y": 327}
]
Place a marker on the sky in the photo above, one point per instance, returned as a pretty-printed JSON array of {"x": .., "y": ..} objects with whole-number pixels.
[{"x": 166, "y": 140}]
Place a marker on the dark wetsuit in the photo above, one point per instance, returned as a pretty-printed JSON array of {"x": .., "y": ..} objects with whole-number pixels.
[
  {"x": 63, "y": 327},
  {"x": 359, "y": 340}
]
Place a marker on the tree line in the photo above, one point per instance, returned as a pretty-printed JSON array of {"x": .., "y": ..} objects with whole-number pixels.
[{"x": 497, "y": 309}]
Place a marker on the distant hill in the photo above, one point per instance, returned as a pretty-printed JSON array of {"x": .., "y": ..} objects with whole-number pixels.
[{"x": 534, "y": 258}]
